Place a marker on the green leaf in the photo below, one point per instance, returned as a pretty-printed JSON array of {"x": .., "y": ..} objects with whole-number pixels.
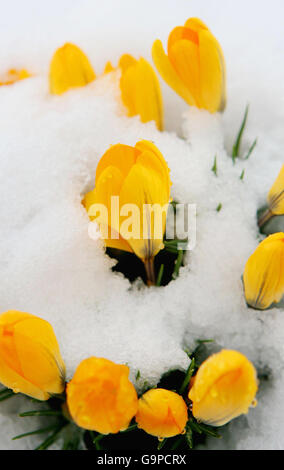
[
  {"x": 219, "y": 207},
  {"x": 31, "y": 433},
  {"x": 251, "y": 149},
  {"x": 242, "y": 174},
  {"x": 40, "y": 413},
  {"x": 160, "y": 275},
  {"x": 214, "y": 167},
  {"x": 189, "y": 437},
  {"x": 236, "y": 146},
  {"x": 5, "y": 394},
  {"x": 51, "y": 439},
  {"x": 188, "y": 376},
  {"x": 161, "y": 443}
]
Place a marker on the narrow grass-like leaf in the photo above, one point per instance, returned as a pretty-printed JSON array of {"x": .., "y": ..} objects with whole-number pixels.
[
  {"x": 251, "y": 149},
  {"x": 242, "y": 174},
  {"x": 40, "y": 413},
  {"x": 214, "y": 167},
  {"x": 188, "y": 376},
  {"x": 219, "y": 207},
  {"x": 31, "y": 433},
  {"x": 236, "y": 146},
  {"x": 160, "y": 275},
  {"x": 50, "y": 439},
  {"x": 161, "y": 444},
  {"x": 8, "y": 394}
]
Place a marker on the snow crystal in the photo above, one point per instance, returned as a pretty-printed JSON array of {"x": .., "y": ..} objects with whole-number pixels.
[{"x": 50, "y": 147}]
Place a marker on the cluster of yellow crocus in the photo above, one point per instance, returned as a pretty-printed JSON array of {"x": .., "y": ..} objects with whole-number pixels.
[
  {"x": 140, "y": 176},
  {"x": 264, "y": 273},
  {"x": 139, "y": 85},
  {"x": 100, "y": 396},
  {"x": 194, "y": 66},
  {"x": 30, "y": 360}
]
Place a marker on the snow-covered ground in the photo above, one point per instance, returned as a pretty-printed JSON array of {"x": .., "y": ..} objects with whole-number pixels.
[{"x": 49, "y": 149}]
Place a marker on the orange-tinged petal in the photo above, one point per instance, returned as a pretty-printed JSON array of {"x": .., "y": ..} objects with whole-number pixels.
[
  {"x": 69, "y": 68},
  {"x": 264, "y": 273},
  {"x": 126, "y": 61},
  {"x": 276, "y": 194},
  {"x": 30, "y": 360},
  {"x": 195, "y": 24},
  {"x": 100, "y": 396},
  {"x": 184, "y": 56},
  {"x": 180, "y": 32},
  {"x": 223, "y": 388},
  {"x": 169, "y": 74},
  {"x": 161, "y": 413}
]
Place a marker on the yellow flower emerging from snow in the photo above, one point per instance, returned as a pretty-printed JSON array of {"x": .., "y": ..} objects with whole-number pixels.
[
  {"x": 140, "y": 89},
  {"x": 69, "y": 68},
  {"x": 30, "y": 360},
  {"x": 135, "y": 181},
  {"x": 275, "y": 199},
  {"x": 264, "y": 273},
  {"x": 194, "y": 66},
  {"x": 14, "y": 75},
  {"x": 100, "y": 396},
  {"x": 161, "y": 413},
  {"x": 223, "y": 388}
]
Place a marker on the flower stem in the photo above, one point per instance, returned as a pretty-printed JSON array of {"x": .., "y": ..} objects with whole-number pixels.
[
  {"x": 265, "y": 217},
  {"x": 150, "y": 271}
]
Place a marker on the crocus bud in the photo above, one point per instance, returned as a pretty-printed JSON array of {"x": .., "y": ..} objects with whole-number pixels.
[
  {"x": 14, "y": 75},
  {"x": 140, "y": 90},
  {"x": 30, "y": 360},
  {"x": 194, "y": 66},
  {"x": 276, "y": 195},
  {"x": 69, "y": 68},
  {"x": 131, "y": 180},
  {"x": 161, "y": 413},
  {"x": 263, "y": 275},
  {"x": 224, "y": 387},
  {"x": 100, "y": 396}
]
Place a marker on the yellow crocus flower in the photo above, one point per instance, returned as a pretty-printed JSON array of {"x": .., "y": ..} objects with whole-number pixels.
[
  {"x": 14, "y": 75},
  {"x": 264, "y": 273},
  {"x": 30, "y": 360},
  {"x": 275, "y": 199},
  {"x": 161, "y": 413},
  {"x": 69, "y": 68},
  {"x": 223, "y": 388},
  {"x": 194, "y": 66},
  {"x": 138, "y": 176},
  {"x": 100, "y": 396},
  {"x": 140, "y": 89}
]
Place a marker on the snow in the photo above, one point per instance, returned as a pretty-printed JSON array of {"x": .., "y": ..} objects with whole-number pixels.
[{"x": 50, "y": 147}]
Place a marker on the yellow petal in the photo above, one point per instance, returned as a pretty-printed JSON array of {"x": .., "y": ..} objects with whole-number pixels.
[
  {"x": 14, "y": 75},
  {"x": 276, "y": 194},
  {"x": 69, "y": 68},
  {"x": 264, "y": 273},
  {"x": 120, "y": 156},
  {"x": 169, "y": 74},
  {"x": 126, "y": 61},
  {"x": 184, "y": 56},
  {"x": 161, "y": 413},
  {"x": 108, "y": 68},
  {"x": 100, "y": 396},
  {"x": 30, "y": 360},
  {"x": 223, "y": 388},
  {"x": 212, "y": 73},
  {"x": 195, "y": 24},
  {"x": 140, "y": 91}
]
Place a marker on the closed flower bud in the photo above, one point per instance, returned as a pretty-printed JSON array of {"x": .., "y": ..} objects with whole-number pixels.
[
  {"x": 194, "y": 66},
  {"x": 276, "y": 195},
  {"x": 69, "y": 68},
  {"x": 161, "y": 413},
  {"x": 224, "y": 387},
  {"x": 139, "y": 177},
  {"x": 140, "y": 90},
  {"x": 100, "y": 396},
  {"x": 14, "y": 75},
  {"x": 30, "y": 360},
  {"x": 263, "y": 275}
]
